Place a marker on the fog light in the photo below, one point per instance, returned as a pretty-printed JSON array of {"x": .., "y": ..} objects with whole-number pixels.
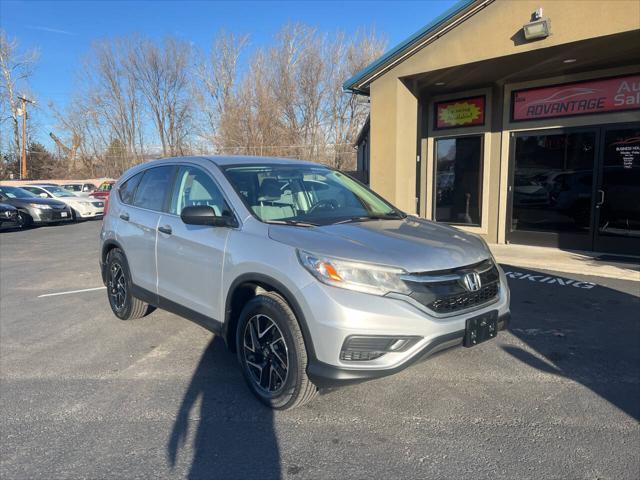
[{"x": 357, "y": 348}]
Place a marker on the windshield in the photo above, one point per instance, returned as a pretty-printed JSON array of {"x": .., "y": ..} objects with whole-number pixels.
[
  {"x": 105, "y": 187},
  {"x": 59, "y": 192},
  {"x": 15, "y": 192},
  {"x": 302, "y": 194},
  {"x": 73, "y": 187}
]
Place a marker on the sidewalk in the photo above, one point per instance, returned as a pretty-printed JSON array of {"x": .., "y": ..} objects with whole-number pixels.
[{"x": 567, "y": 261}]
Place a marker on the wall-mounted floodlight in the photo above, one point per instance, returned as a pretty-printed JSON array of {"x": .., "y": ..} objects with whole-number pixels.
[{"x": 538, "y": 27}]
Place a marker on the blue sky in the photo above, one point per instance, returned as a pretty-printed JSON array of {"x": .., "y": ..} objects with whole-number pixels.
[{"x": 63, "y": 30}]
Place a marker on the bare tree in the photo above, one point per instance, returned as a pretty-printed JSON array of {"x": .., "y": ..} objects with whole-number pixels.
[
  {"x": 16, "y": 67},
  {"x": 344, "y": 116},
  {"x": 217, "y": 81},
  {"x": 162, "y": 76},
  {"x": 111, "y": 96}
]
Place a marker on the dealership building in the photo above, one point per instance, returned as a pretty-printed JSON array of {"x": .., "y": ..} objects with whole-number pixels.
[{"x": 516, "y": 120}]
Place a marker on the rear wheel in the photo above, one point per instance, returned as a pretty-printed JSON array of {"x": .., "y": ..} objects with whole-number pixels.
[
  {"x": 123, "y": 304},
  {"x": 272, "y": 353}
]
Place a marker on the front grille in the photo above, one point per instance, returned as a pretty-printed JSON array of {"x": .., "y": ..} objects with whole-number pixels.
[
  {"x": 465, "y": 300},
  {"x": 444, "y": 292}
]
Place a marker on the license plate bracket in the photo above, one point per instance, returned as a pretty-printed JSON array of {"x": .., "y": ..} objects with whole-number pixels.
[{"x": 481, "y": 328}]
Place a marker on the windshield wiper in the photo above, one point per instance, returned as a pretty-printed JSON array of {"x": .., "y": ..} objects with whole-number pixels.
[
  {"x": 366, "y": 218},
  {"x": 297, "y": 223}
]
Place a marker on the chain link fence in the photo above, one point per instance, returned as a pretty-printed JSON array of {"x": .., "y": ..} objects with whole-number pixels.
[{"x": 44, "y": 165}]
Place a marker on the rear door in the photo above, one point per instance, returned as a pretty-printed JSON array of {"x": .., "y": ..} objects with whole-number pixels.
[
  {"x": 138, "y": 220},
  {"x": 191, "y": 257}
]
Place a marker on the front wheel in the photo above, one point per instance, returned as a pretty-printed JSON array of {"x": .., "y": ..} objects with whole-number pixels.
[
  {"x": 123, "y": 304},
  {"x": 272, "y": 353},
  {"x": 24, "y": 220}
]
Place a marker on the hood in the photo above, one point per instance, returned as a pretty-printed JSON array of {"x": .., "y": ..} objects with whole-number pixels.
[
  {"x": 414, "y": 244},
  {"x": 35, "y": 200},
  {"x": 5, "y": 206}
]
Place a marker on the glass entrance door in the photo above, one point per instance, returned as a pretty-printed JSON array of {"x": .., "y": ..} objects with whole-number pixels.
[
  {"x": 552, "y": 188},
  {"x": 577, "y": 189},
  {"x": 618, "y": 191}
]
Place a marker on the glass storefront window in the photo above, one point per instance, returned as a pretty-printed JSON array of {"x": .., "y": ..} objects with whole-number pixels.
[
  {"x": 458, "y": 180},
  {"x": 553, "y": 181}
]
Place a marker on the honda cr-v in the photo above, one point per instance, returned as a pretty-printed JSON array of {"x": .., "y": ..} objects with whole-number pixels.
[{"x": 309, "y": 276}]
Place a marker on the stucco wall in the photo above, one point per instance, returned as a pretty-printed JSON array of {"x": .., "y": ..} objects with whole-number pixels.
[{"x": 488, "y": 34}]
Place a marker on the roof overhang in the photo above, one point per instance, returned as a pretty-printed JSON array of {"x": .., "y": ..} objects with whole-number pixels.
[{"x": 440, "y": 25}]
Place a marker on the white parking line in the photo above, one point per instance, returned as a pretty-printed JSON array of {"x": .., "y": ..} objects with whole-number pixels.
[{"x": 71, "y": 291}]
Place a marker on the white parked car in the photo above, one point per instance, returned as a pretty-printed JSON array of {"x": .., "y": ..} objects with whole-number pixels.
[
  {"x": 79, "y": 188},
  {"x": 81, "y": 207}
]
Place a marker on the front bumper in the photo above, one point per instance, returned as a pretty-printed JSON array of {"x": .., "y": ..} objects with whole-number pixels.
[
  {"x": 325, "y": 375},
  {"x": 91, "y": 214},
  {"x": 9, "y": 216},
  {"x": 50, "y": 215},
  {"x": 332, "y": 315}
]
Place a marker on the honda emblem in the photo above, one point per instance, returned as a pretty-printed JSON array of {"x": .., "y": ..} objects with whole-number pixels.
[{"x": 472, "y": 281}]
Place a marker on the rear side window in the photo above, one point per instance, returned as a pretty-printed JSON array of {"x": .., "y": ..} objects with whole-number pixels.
[
  {"x": 153, "y": 188},
  {"x": 128, "y": 188}
]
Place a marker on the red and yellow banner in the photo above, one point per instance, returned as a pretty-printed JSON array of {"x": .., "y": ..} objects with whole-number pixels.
[{"x": 465, "y": 112}]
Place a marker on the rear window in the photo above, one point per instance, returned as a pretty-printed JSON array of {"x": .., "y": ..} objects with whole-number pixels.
[{"x": 152, "y": 189}]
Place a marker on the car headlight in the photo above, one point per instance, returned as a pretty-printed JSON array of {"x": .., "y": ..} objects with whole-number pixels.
[
  {"x": 40, "y": 206},
  {"x": 361, "y": 277}
]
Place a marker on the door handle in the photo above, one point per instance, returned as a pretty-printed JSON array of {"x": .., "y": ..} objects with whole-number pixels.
[
  {"x": 601, "y": 201},
  {"x": 166, "y": 229},
  {"x": 124, "y": 216}
]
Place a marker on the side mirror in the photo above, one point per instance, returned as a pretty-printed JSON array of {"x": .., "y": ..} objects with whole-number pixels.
[
  {"x": 43, "y": 195},
  {"x": 206, "y": 215}
]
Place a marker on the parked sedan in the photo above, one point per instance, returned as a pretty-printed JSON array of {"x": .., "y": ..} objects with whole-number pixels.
[
  {"x": 79, "y": 188},
  {"x": 81, "y": 207},
  {"x": 8, "y": 213},
  {"x": 33, "y": 209}
]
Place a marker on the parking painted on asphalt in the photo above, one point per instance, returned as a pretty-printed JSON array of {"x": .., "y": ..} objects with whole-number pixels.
[{"x": 551, "y": 280}]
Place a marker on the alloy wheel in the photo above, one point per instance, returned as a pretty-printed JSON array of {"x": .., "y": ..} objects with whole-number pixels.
[
  {"x": 117, "y": 286},
  {"x": 266, "y": 354}
]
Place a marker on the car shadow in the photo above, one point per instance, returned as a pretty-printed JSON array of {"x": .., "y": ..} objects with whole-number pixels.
[
  {"x": 581, "y": 331},
  {"x": 234, "y": 435}
]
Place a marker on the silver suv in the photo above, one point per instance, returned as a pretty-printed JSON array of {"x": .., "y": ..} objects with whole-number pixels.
[{"x": 309, "y": 276}]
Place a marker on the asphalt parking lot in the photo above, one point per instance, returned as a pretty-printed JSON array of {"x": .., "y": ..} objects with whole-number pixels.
[{"x": 85, "y": 395}]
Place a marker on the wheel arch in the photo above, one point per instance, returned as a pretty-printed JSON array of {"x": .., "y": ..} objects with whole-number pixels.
[
  {"x": 244, "y": 288},
  {"x": 108, "y": 245}
]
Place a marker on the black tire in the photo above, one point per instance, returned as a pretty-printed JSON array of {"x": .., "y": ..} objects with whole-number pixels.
[
  {"x": 296, "y": 389},
  {"x": 124, "y": 305},
  {"x": 24, "y": 220},
  {"x": 75, "y": 217}
]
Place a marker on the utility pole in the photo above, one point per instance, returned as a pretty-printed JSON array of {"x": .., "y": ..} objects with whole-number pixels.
[{"x": 23, "y": 164}]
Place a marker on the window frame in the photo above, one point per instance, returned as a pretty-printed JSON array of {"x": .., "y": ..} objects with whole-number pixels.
[{"x": 434, "y": 204}]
